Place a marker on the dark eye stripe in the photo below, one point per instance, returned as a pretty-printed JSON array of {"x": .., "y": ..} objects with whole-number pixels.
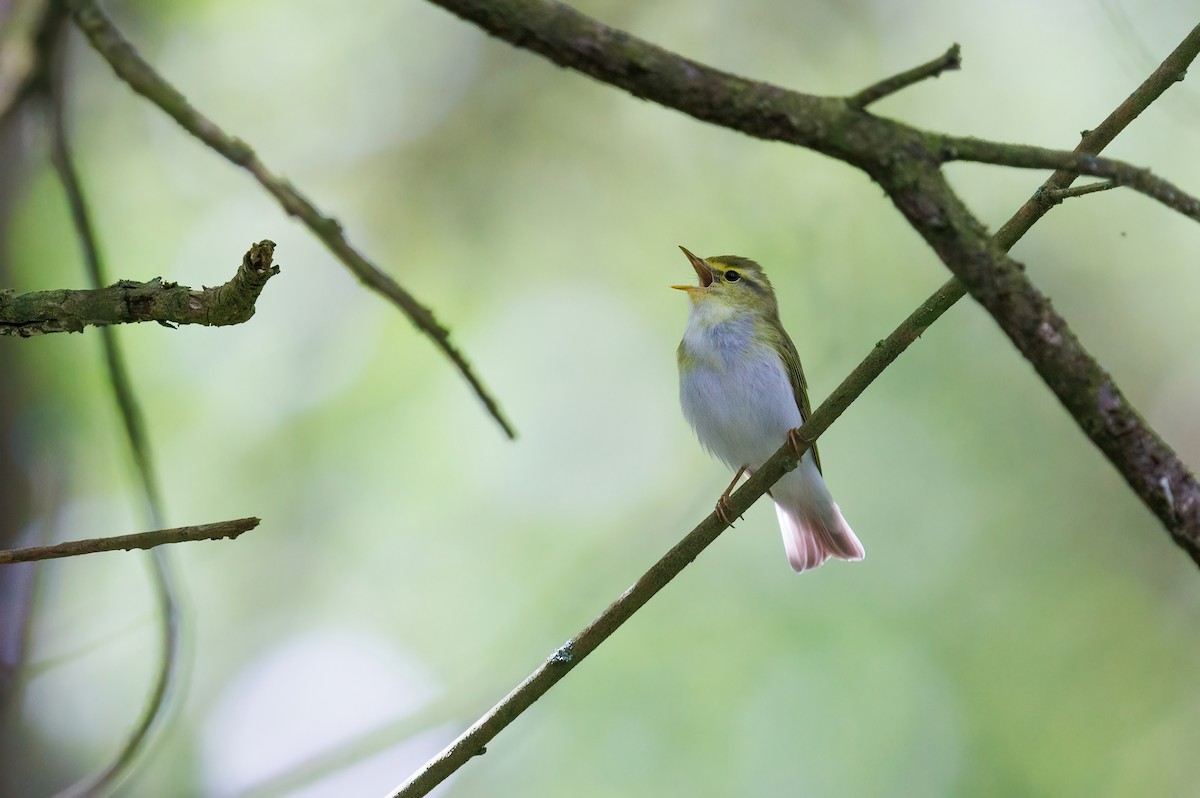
[{"x": 749, "y": 282}]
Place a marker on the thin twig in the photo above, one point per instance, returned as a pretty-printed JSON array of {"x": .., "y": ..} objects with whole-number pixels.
[
  {"x": 1171, "y": 71},
  {"x": 163, "y": 581},
  {"x": 136, "y": 540},
  {"x": 1057, "y": 195},
  {"x": 143, "y": 79},
  {"x": 1078, "y": 163},
  {"x": 127, "y": 302},
  {"x": 951, "y": 59}
]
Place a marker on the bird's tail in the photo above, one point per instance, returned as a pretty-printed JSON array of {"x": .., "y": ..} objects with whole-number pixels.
[{"x": 812, "y": 523}]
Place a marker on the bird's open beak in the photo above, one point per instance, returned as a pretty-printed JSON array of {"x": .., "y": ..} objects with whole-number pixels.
[{"x": 702, "y": 271}]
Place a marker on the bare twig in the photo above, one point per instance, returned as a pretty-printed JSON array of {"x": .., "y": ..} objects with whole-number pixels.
[
  {"x": 1078, "y": 163},
  {"x": 141, "y": 77},
  {"x": 951, "y": 59},
  {"x": 1054, "y": 196},
  {"x": 137, "y": 540},
  {"x": 1171, "y": 71},
  {"x": 127, "y": 302}
]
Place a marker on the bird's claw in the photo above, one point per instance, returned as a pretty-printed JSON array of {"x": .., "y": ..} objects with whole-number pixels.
[
  {"x": 724, "y": 511},
  {"x": 798, "y": 443}
]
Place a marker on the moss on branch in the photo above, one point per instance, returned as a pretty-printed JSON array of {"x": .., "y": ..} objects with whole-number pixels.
[{"x": 128, "y": 301}]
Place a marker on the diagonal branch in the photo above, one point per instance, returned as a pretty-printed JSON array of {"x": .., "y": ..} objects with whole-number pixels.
[
  {"x": 137, "y": 540},
  {"x": 1150, "y": 467},
  {"x": 126, "y": 302},
  {"x": 472, "y": 742},
  {"x": 141, "y": 77}
]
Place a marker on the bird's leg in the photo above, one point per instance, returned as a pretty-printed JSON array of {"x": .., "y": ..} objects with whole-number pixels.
[{"x": 723, "y": 510}]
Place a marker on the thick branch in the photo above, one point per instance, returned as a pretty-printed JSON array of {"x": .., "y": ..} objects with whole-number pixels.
[
  {"x": 127, "y": 301},
  {"x": 138, "y": 540},
  {"x": 830, "y": 125},
  {"x": 1159, "y": 478},
  {"x": 141, "y": 77}
]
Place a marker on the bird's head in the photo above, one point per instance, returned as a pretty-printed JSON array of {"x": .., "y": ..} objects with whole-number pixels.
[{"x": 730, "y": 283}]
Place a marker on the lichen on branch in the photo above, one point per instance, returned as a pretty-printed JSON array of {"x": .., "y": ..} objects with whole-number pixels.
[{"x": 129, "y": 301}]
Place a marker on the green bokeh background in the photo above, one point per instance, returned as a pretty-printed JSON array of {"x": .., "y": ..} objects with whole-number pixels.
[{"x": 1021, "y": 625}]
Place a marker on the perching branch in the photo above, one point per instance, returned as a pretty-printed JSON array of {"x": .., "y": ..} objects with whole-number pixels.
[
  {"x": 137, "y": 540},
  {"x": 473, "y": 741},
  {"x": 141, "y": 77},
  {"x": 951, "y": 59},
  {"x": 126, "y": 302}
]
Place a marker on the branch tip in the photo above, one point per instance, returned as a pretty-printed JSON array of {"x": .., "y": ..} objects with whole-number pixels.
[
  {"x": 949, "y": 60},
  {"x": 1053, "y": 196},
  {"x": 139, "y": 540}
]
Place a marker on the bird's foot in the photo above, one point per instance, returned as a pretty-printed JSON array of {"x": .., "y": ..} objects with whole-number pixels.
[
  {"x": 723, "y": 509},
  {"x": 798, "y": 443}
]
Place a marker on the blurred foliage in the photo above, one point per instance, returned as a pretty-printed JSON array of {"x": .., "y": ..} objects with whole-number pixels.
[{"x": 1021, "y": 624}]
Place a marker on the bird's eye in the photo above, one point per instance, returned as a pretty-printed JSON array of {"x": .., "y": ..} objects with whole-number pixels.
[{"x": 732, "y": 276}]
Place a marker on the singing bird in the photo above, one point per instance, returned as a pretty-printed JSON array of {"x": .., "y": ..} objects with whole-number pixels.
[{"x": 742, "y": 390}]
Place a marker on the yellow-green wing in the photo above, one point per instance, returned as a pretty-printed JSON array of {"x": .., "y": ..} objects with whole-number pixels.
[{"x": 791, "y": 362}]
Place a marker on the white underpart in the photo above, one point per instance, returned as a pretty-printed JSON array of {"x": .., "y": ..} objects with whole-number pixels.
[{"x": 738, "y": 399}]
